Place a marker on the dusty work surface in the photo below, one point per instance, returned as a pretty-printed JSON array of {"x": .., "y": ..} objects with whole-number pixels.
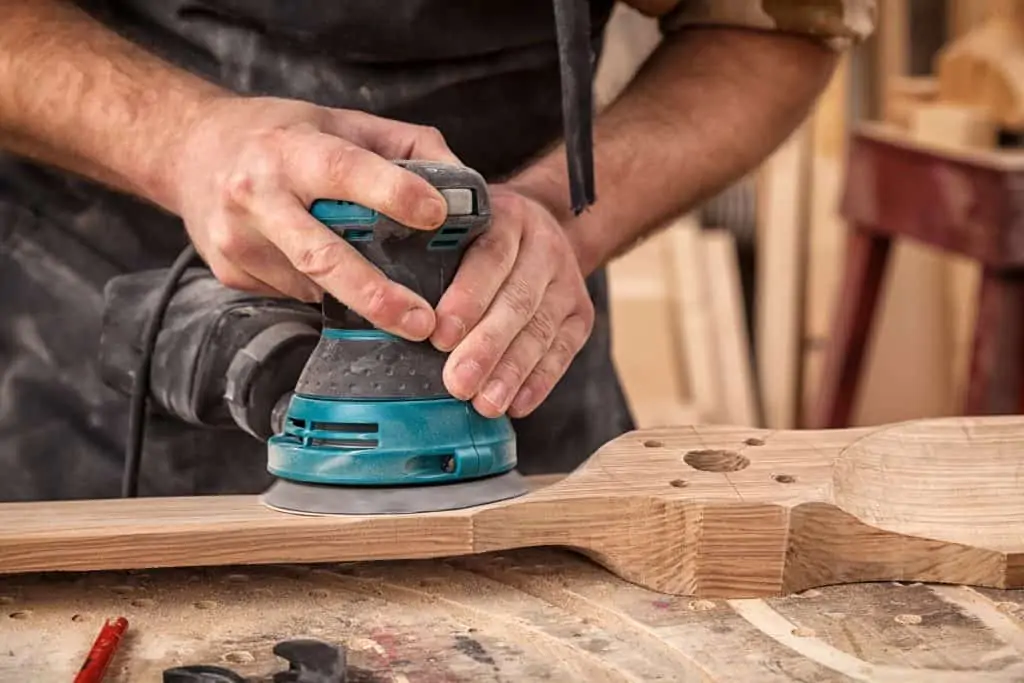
[{"x": 530, "y": 615}]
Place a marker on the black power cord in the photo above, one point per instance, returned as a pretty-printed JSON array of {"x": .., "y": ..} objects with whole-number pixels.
[{"x": 140, "y": 388}]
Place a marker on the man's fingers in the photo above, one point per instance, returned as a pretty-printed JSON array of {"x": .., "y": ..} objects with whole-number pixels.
[
  {"x": 512, "y": 309},
  {"x": 523, "y": 354},
  {"x": 394, "y": 139},
  {"x": 484, "y": 268},
  {"x": 547, "y": 373},
  {"x": 321, "y": 166},
  {"x": 326, "y": 259}
]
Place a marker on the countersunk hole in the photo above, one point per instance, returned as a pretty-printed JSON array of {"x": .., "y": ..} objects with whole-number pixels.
[
  {"x": 20, "y": 614},
  {"x": 77, "y": 617},
  {"x": 716, "y": 461},
  {"x": 679, "y": 483},
  {"x": 784, "y": 478},
  {"x": 653, "y": 443},
  {"x": 754, "y": 442}
]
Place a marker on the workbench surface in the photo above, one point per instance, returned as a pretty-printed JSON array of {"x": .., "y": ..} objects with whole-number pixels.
[{"x": 533, "y": 615}]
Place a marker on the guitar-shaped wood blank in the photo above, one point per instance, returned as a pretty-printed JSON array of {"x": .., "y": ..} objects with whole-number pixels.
[{"x": 707, "y": 511}]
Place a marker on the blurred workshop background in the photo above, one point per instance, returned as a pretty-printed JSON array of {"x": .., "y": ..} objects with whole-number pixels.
[{"x": 781, "y": 303}]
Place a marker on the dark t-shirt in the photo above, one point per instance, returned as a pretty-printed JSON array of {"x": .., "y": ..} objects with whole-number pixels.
[{"x": 484, "y": 73}]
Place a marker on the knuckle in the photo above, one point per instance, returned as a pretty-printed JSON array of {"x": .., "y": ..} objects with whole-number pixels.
[
  {"x": 542, "y": 326},
  {"x": 433, "y": 135},
  {"x": 339, "y": 166},
  {"x": 488, "y": 344},
  {"x": 519, "y": 297},
  {"x": 226, "y": 240},
  {"x": 380, "y": 303},
  {"x": 320, "y": 260},
  {"x": 568, "y": 343},
  {"x": 238, "y": 188},
  {"x": 492, "y": 247},
  {"x": 511, "y": 371}
]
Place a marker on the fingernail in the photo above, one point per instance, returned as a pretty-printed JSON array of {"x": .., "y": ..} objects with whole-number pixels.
[
  {"x": 522, "y": 401},
  {"x": 418, "y": 322},
  {"x": 448, "y": 332},
  {"x": 467, "y": 375},
  {"x": 496, "y": 392},
  {"x": 431, "y": 211}
]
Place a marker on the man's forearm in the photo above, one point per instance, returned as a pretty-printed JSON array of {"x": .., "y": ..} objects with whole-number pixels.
[
  {"x": 76, "y": 96},
  {"x": 705, "y": 109}
]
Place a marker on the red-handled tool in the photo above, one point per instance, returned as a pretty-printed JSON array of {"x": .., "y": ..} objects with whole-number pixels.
[{"x": 102, "y": 651}]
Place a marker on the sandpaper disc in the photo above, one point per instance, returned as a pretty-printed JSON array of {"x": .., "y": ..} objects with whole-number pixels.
[{"x": 321, "y": 499}]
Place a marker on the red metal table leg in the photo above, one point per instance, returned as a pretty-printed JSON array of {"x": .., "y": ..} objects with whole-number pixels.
[{"x": 997, "y": 362}]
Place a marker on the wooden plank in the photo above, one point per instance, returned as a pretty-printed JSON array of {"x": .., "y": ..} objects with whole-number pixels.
[
  {"x": 827, "y": 231},
  {"x": 517, "y": 616},
  {"x": 649, "y": 361},
  {"x": 713, "y": 511},
  {"x": 739, "y": 402},
  {"x": 693, "y": 318},
  {"x": 782, "y": 228}
]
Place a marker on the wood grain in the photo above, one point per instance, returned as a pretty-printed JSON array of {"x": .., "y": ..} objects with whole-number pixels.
[
  {"x": 705, "y": 511},
  {"x": 528, "y": 615}
]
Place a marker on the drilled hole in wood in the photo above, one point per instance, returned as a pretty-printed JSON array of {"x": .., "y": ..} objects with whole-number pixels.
[
  {"x": 77, "y": 617},
  {"x": 784, "y": 478},
  {"x": 716, "y": 461},
  {"x": 679, "y": 483},
  {"x": 653, "y": 443},
  {"x": 754, "y": 442},
  {"x": 21, "y": 614}
]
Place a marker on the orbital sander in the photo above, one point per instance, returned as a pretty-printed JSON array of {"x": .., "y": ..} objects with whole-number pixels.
[
  {"x": 355, "y": 420},
  {"x": 371, "y": 428}
]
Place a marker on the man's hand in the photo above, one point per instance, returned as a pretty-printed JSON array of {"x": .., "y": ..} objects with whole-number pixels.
[
  {"x": 249, "y": 169},
  {"x": 516, "y": 313}
]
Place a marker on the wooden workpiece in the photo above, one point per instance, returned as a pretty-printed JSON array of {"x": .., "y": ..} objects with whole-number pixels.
[
  {"x": 529, "y": 615},
  {"x": 707, "y": 512}
]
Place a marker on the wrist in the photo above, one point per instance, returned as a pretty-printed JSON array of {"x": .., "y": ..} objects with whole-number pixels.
[{"x": 161, "y": 174}]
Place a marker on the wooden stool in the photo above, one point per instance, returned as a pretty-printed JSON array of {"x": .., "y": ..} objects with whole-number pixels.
[{"x": 963, "y": 201}]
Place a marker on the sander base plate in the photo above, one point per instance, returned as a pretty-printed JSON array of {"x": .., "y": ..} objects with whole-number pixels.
[{"x": 321, "y": 499}]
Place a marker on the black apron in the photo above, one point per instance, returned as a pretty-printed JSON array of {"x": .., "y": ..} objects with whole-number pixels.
[{"x": 485, "y": 73}]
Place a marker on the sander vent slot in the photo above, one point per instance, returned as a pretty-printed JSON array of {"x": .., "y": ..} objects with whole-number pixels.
[
  {"x": 346, "y": 427},
  {"x": 355, "y": 444}
]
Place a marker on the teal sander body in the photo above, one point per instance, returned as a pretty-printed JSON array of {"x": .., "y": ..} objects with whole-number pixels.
[{"x": 371, "y": 428}]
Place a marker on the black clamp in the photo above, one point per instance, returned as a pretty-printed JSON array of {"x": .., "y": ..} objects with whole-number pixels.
[{"x": 309, "y": 661}]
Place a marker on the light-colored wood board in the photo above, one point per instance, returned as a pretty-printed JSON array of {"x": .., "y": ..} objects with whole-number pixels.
[
  {"x": 693, "y": 317},
  {"x": 644, "y": 348},
  {"x": 781, "y": 244},
  {"x": 715, "y": 511},
  {"x": 826, "y": 230},
  {"x": 893, "y": 48},
  {"x": 739, "y": 402},
  {"x": 523, "y": 615}
]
